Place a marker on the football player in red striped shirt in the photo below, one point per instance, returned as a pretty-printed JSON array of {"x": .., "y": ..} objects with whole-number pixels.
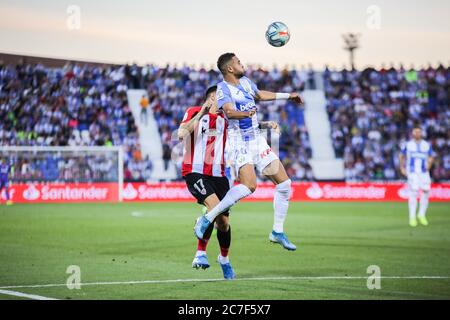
[{"x": 204, "y": 132}]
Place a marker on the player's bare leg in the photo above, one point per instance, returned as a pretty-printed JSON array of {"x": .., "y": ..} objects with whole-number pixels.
[
  {"x": 247, "y": 177},
  {"x": 277, "y": 174}
]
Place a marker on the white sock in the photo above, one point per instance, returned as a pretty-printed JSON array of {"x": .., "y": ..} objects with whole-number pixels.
[
  {"x": 200, "y": 253},
  {"x": 423, "y": 203},
  {"x": 223, "y": 260},
  {"x": 233, "y": 195},
  {"x": 281, "y": 204},
  {"x": 412, "y": 203}
]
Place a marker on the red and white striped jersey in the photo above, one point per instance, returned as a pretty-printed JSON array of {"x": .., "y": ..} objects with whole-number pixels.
[{"x": 204, "y": 149}]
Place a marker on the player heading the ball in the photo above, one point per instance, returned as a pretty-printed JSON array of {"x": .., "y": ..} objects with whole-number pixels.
[{"x": 236, "y": 96}]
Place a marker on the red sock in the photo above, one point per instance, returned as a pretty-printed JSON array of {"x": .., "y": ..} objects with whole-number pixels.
[
  {"x": 224, "y": 252},
  {"x": 202, "y": 244}
]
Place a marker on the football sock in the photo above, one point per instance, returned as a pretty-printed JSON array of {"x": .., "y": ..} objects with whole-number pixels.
[
  {"x": 202, "y": 243},
  {"x": 412, "y": 204},
  {"x": 233, "y": 195},
  {"x": 200, "y": 253},
  {"x": 423, "y": 203},
  {"x": 201, "y": 246},
  {"x": 224, "y": 239},
  {"x": 281, "y": 204},
  {"x": 223, "y": 260}
]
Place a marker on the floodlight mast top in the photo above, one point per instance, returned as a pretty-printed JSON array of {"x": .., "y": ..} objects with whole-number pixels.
[{"x": 351, "y": 44}]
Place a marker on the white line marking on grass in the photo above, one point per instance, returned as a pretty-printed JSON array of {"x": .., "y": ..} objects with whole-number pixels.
[
  {"x": 25, "y": 295},
  {"x": 221, "y": 279},
  {"x": 137, "y": 214}
]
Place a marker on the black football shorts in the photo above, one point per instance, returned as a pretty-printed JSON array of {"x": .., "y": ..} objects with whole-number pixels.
[{"x": 202, "y": 186}]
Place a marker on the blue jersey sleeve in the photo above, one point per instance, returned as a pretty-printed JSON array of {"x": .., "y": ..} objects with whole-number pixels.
[
  {"x": 254, "y": 86},
  {"x": 431, "y": 152},
  {"x": 223, "y": 95}
]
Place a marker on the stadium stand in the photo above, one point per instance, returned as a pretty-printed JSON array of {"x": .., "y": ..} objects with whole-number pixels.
[
  {"x": 86, "y": 104},
  {"x": 372, "y": 112},
  {"x": 77, "y": 104}
]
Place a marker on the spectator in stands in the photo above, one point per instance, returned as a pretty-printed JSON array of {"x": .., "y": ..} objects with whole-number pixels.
[
  {"x": 144, "y": 105},
  {"x": 167, "y": 154},
  {"x": 311, "y": 80}
]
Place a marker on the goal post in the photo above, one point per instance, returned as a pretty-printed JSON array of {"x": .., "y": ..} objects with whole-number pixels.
[{"x": 66, "y": 165}]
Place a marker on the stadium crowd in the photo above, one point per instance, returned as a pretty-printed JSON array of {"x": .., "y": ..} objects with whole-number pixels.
[
  {"x": 86, "y": 105},
  {"x": 76, "y": 105},
  {"x": 372, "y": 112}
]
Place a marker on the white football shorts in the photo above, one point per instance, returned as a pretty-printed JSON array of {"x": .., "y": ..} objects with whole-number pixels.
[
  {"x": 255, "y": 151},
  {"x": 419, "y": 181}
]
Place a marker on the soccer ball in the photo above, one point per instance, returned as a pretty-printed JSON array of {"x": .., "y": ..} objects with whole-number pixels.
[{"x": 277, "y": 34}]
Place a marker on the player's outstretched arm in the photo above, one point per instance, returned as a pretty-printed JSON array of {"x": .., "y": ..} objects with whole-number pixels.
[
  {"x": 262, "y": 95},
  {"x": 233, "y": 114}
]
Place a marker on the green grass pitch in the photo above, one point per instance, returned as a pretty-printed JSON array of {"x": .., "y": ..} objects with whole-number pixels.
[{"x": 114, "y": 244}]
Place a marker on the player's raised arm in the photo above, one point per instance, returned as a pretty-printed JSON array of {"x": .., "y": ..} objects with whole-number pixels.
[
  {"x": 227, "y": 104},
  {"x": 190, "y": 120},
  {"x": 233, "y": 114},
  {"x": 263, "y": 95}
]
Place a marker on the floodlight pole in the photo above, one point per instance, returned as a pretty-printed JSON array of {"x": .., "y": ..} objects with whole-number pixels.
[{"x": 351, "y": 44}]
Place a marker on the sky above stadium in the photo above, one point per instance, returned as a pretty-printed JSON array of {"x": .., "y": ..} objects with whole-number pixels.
[{"x": 197, "y": 31}]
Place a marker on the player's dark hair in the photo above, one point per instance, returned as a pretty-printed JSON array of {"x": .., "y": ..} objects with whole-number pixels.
[
  {"x": 223, "y": 60},
  {"x": 417, "y": 125},
  {"x": 210, "y": 90}
]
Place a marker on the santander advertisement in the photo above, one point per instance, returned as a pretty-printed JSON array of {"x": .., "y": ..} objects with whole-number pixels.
[
  {"x": 177, "y": 191},
  {"x": 82, "y": 192}
]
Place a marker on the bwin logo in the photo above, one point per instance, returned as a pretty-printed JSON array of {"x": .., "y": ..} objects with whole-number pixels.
[{"x": 248, "y": 106}]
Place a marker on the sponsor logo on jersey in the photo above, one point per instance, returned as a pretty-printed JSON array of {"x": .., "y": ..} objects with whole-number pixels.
[
  {"x": 219, "y": 94},
  {"x": 265, "y": 153},
  {"x": 247, "y": 106}
]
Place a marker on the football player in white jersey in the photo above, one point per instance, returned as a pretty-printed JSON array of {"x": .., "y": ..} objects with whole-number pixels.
[
  {"x": 416, "y": 159},
  {"x": 236, "y": 96}
]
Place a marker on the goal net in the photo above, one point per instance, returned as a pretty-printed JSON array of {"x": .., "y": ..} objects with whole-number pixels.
[{"x": 65, "y": 173}]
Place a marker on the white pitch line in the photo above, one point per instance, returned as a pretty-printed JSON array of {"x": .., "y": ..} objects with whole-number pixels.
[
  {"x": 25, "y": 295},
  {"x": 221, "y": 279}
]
